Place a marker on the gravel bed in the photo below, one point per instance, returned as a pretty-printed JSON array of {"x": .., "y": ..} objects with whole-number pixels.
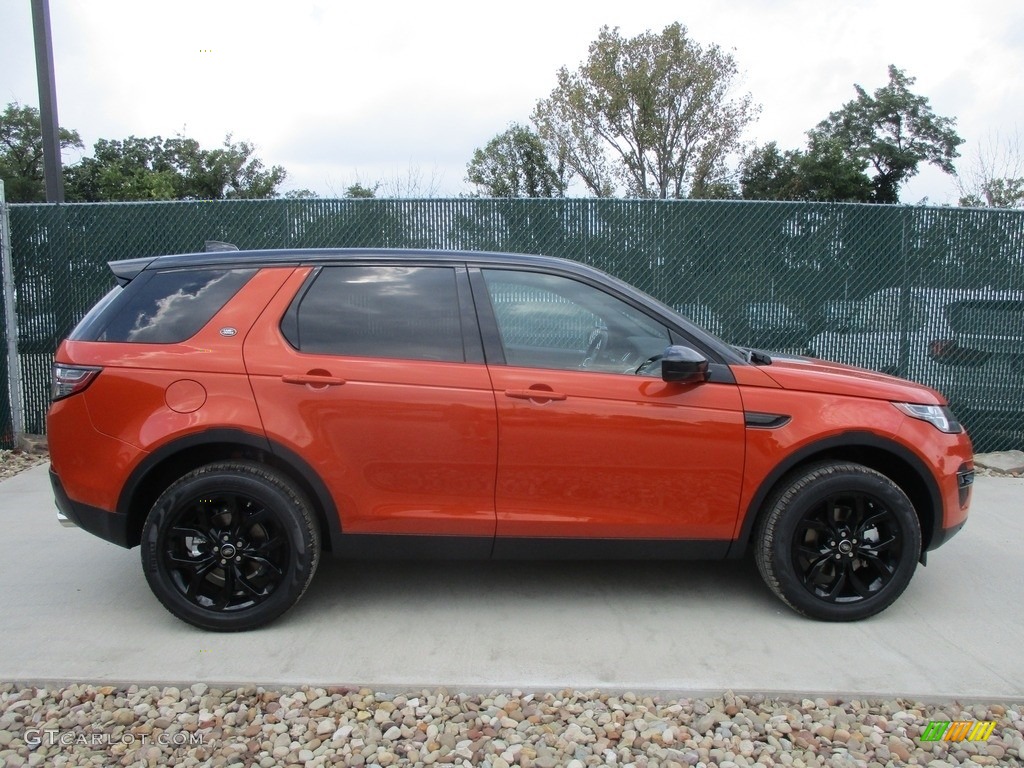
[
  {"x": 13, "y": 462},
  {"x": 252, "y": 726}
]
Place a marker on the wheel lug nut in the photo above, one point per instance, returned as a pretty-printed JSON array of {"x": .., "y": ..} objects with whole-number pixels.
[{"x": 838, "y": 556}]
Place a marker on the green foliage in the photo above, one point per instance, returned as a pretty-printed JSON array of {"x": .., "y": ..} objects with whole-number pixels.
[
  {"x": 768, "y": 174},
  {"x": 21, "y": 153},
  {"x": 888, "y": 134},
  {"x": 824, "y": 173},
  {"x": 650, "y": 115},
  {"x": 997, "y": 193},
  {"x": 358, "y": 192},
  {"x": 893, "y": 131},
  {"x": 171, "y": 169},
  {"x": 516, "y": 164}
]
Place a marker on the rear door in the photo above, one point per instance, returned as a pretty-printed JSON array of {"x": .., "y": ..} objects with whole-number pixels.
[
  {"x": 594, "y": 446},
  {"x": 374, "y": 374}
]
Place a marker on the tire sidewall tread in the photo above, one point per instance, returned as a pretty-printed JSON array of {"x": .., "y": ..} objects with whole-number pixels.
[
  {"x": 800, "y": 491},
  {"x": 292, "y": 510}
]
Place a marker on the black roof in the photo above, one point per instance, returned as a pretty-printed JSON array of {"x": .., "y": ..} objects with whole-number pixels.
[{"x": 125, "y": 270}]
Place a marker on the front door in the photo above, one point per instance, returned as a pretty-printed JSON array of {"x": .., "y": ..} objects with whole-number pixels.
[{"x": 593, "y": 443}]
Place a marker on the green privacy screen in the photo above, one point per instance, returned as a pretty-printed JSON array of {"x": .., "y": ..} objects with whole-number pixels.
[{"x": 933, "y": 294}]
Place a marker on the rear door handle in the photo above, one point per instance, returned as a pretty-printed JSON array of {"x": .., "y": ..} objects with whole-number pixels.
[
  {"x": 540, "y": 395},
  {"x": 313, "y": 380}
]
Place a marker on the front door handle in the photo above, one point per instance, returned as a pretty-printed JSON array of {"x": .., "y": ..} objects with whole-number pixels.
[
  {"x": 313, "y": 380},
  {"x": 537, "y": 395}
]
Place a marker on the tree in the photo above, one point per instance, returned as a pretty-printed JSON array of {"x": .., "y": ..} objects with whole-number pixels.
[
  {"x": 119, "y": 170},
  {"x": 229, "y": 171},
  {"x": 995, "y": 177},
  {"x": 516, "y": 164},
  {"x": 768, "y": 174},
  {"x": 171, "y": 169},
  {"x": 823, "y": 173},
  {"x": 651, "y": 115},
  {"x": 413, "y": 184},
  {"x": 358, "y": 192},
  {"x": 893, "y": 131},
  {"x": 21, "y": 153}
]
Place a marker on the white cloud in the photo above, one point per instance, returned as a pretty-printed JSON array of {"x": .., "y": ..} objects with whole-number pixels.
[{"x": 333, "y": 90}]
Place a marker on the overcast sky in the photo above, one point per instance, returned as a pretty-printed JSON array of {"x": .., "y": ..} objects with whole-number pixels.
[{"x": 378, "y": 91}]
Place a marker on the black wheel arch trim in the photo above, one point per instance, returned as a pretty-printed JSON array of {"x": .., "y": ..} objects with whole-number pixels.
[
  {"x": 837, "y": 447},
  {"x": 224, "y": 436}
]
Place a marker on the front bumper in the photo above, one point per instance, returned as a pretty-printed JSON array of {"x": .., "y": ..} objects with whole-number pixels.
[{"x": 111, "y": 526}]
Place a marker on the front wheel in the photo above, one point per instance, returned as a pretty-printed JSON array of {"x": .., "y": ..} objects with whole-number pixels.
[
  {"x": 838, "y": 542},
  {"x": 230, "y": 546}
]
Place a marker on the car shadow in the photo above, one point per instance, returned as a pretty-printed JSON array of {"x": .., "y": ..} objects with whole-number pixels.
[{"x": 350, "y": 587}]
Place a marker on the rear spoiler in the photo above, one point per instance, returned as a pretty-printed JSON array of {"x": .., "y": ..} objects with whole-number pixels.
[{"x": 127, "y": 270}]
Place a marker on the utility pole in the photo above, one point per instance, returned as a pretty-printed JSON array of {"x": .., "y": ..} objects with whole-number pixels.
[{"x": 47, "y": 101}]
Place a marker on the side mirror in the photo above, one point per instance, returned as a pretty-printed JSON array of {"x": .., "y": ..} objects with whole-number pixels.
[{"x": 685, "y": 365}]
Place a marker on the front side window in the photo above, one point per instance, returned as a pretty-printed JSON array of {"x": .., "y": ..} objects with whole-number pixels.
[
  {"x": 381, "y": 311},
  {"x": 550, "y": 321}
]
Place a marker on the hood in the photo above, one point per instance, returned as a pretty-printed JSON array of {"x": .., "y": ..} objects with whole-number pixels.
[{"x": 809, "y": 375}]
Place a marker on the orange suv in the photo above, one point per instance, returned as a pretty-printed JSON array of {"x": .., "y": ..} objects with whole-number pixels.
[{"x": 238, "y": 413}]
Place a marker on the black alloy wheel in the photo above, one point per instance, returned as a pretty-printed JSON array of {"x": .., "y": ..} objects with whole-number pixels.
[
  {"x": 839, "y": 542},
  {"x": 230, "y": 546}
]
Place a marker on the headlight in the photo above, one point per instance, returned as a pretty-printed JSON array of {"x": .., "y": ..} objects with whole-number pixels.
[{"x": 939, "y": 416}]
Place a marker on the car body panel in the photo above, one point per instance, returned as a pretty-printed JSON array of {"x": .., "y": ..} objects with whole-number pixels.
[
  {"x": 404, "y": 446},
  {"x": 616, "y": 456},
  {"x": 457, "y": 451}
]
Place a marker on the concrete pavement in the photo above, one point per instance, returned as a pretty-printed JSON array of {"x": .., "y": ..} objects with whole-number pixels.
[{"x": 74, "y": 608}]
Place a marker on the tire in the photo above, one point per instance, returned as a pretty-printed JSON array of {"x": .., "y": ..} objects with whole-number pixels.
[
  {"x": 230, "y": 546},
  {"x": 838, "y": 542}
]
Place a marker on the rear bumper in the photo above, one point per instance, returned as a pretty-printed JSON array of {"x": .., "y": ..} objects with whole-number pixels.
[{"x": 111, "y": 526}]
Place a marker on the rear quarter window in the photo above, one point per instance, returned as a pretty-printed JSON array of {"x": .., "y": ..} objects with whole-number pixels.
[{"x": 162, "y": 307}]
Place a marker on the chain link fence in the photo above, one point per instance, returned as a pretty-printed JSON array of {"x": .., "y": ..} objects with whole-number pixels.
[{"x": 932, "y": 294}]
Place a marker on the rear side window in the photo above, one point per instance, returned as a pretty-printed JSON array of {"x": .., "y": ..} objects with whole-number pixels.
[
  {"x": 408, "y": 313},
  {"x": 162, "y": 307}
]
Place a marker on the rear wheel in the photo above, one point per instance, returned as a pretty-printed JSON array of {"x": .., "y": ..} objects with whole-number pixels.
[
  {"x": 230, "y": 546},
  {"x": 838, "y": 542}
]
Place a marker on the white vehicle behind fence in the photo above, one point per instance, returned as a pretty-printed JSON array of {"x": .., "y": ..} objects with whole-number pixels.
[{"x": 969, "y": 344}]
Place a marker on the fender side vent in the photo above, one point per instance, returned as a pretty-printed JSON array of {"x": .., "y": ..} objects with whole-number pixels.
[{"x": 756, "y": 420}]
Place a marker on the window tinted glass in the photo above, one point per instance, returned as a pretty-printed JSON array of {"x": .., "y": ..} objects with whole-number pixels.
[
  {"x": 549, "y": 321},
  {"x": 400, "y": 312},
  {"x": 162, "y": 307}
]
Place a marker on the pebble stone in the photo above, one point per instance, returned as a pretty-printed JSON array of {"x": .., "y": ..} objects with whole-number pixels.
[{"x": 87, "y": 725}]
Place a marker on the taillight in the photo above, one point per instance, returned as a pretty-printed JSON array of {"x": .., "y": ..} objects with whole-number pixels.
[
  {"x": 940, "y": 348},
  {"x": 947, "y": 351},
  {"x": 71, "y": 379}
]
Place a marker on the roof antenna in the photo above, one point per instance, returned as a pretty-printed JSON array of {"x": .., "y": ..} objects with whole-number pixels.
[{"x": 213, "y": 246}]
